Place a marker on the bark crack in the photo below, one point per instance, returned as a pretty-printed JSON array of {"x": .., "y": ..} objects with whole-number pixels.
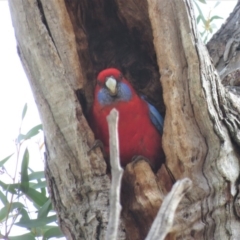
[
  {"x": 44, "y": 21},
  {"x": 99, "y": 226}
]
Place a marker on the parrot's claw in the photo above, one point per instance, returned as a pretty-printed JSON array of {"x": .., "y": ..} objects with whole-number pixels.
[
  {"x": 97, "y": 143},
  {"x": 138, "y": 158}
]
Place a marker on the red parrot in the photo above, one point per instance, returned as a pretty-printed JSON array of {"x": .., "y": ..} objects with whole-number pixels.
[{"x": 140, "y": 125}]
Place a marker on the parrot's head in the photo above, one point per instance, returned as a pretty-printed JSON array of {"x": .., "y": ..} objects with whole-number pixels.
[{"x": 112, "y": 87}]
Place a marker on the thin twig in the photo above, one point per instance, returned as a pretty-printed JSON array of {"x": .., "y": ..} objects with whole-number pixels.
[
  {"x": 117, "y": 171},
  {"x": 164, "y": 220}
]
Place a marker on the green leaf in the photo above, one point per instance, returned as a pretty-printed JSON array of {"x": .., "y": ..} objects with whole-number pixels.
[
  {"x": 42, "y": 184},
  {"x": 198, "y": 19},
  {"x": 24, "y": 111},
  {"x": 2, "y": 162},
  {"x": 201, "y": 16},
  {"x": 26, "y": 236},
  {"x": 215, "y": 17},
  {"x": 45, "y": 209},
  {"x": 9, "y": 187},
  {"x": 52, "y": 232},
  {"x": 202, "y": 1},
  {"x": 24, "y": 172},
  {"x": 33, "y": 132},
  {"x": 36, "y": 197},
  {"x": 3, "y": 198},
  {"x": 24, "y": 215},
  {"x": 36, "y": 175},
  {"x": 37, "y": 222},
  {"x": 9, "y": 208},
  {"x": 20, "y": 137},
  {"x": 217, "y": 3}
]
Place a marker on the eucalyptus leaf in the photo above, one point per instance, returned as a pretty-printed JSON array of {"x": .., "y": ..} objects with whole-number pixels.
[
  {"x": 36, "y": 197},
  {"x": 201, "y": 16},
  {"x": 36, "y": 175},
  {"x": 3, "y": 198},
  {"x": 33, "y": 132},
  {"x": 202, "y": 1},
  {"x": 20, "y": 137},
  {"x": 38, "y": 185},
  {"x": 45, "y": 209},
  {"x": 33, "y": 223},
  {"x": 24, "y": 172},
  {"x": 215, "y": 17},
  {"x": 217, "y": 3},
  {"x": 53, "y": 232},
  {"x": 24, "y": 215},
  {"x": 2, "y": 162},
  {"x": 24, "y": 111},
  {"x": 9, "y": 187},
  {"x": 26, "y": 236},
  {"x": 7, "y": 209}
]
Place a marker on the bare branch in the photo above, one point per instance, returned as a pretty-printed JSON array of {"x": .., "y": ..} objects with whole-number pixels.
[
  {"x": 164, "y": 220},
  {"x": 117, "y": 171}
]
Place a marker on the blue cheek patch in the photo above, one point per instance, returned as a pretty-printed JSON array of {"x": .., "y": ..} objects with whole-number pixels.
[
  {"x": 124, "y": 94},
  {"x": 104, "y": 97}
]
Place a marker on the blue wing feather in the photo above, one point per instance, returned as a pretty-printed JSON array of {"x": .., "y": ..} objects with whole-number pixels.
[{"x": 155, "y": 116}]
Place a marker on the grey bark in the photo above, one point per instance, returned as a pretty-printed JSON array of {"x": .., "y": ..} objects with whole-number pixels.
[
  {"x": 196, "y": 139},
  {"x": 77, "y": 182}
]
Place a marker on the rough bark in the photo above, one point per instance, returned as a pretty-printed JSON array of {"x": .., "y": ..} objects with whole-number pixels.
[
  {"x": 196, "y": 139},
  {"x": 63, "y": 45},
  {"x": 77, "y": 181},
  {"x": 224, "y": 49}
]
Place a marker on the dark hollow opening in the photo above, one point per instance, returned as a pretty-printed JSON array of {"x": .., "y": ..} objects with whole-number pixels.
[{"x": 116, "y": 33}]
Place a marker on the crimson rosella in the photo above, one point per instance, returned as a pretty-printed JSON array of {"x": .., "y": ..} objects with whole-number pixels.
[{"x": 140, "y": 124}]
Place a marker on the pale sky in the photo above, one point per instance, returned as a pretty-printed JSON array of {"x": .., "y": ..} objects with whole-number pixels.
[
  {"x": 14, "y": 93},
  {"x": 14, "y": 87},
  {"x": 15, "y": 90}
]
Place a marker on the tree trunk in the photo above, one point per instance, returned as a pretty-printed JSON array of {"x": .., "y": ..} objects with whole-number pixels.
[{"x": 64, "y": 44}]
